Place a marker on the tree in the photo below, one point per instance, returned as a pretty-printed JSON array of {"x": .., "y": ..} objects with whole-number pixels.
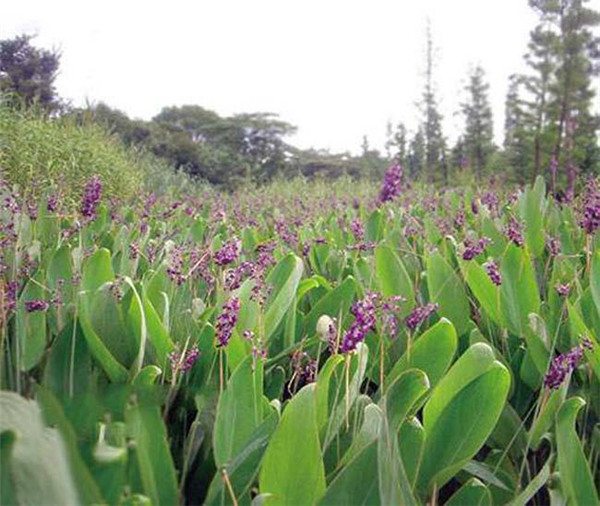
[
  {"x": 432, "y": 119},
  {"x": 396, "y": 143},
  {"x": 478, "y": 134},
  {"x": 416, "y": 155},
  {"x": 28, "y": 73}
]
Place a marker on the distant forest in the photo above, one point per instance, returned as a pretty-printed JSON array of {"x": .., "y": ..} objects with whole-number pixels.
[{"x": 550, "y": 126}]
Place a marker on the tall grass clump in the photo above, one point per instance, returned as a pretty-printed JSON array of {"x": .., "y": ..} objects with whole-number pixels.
[{"x": 38, "y": 152}]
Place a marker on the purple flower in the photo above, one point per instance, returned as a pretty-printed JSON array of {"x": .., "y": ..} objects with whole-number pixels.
[
  {"x": 564, "y": 364},
  {"x": 563, "y": 289},
  {"x": 186, "y": 362},
  {"x": 226, "y": 321},
  {"x": 514, "y": 231},
  {"x": 175, "y": 266},
  {"x": 553, "y": 246},
  {"x": 357, "y": 229},
  {"x": 32, "y": 306},
  {"x": 365, "y": 319},
  {"x": 590, "y": 220},
  {"x": 92, "y": 194},
  {"x": 474, "y": 206},
  {"x": 229, "y": 252},
  {"x": 490, "y": 200},
  {"x": 9, "y": 296},
  {"x": 474, "y": 248},
  {"x": 392, "y": 183},
  {"x": 234, "y": 277},
  {"x": 419, "y": 314},
  {"x": 52, "y": 203},
  {"x": 493, "y": 272}
]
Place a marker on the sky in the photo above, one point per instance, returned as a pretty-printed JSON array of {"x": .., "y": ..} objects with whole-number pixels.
[{"x": 337, "y": 70}]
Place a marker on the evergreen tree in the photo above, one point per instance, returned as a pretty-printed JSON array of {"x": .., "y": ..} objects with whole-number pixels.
[
  {"x": 518, "y": 140},
  {"x": 478, "y": 134},
  {"x": 416, "y": 155},
  {"x": 396, "y": 144},
  {"x": 432, "y": 119}
]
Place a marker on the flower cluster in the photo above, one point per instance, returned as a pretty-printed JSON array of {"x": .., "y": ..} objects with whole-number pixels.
[
  {"x": 304, "y": 367},
  {"x": 472, "y": 249},
  {"x": 419, "y": 314},
  {"x": 184, "y": 362},
  {"x": 92, "y": 194},
  {"x": 553, "y": 246},
  {"x": 493, "y": 271},
  {"x": 32, "y": 306},
  {"x": 392, "y": 183},
  {"x": 590, "y": 219},
  {"x": 514, "y": 231},
  {"x": 9, "y": 296},
  {"x": 563, "y": 289},
  {"x": 234, "y": 277},
  {"x": 175, "y": 266},
  {"x": 357, "y": 229},
  {"x": 226, "y": 321},
  {"x": 365, "y": 319},
  {"x": 229, "y": 252},
  {"x": 564, "y": 364}
]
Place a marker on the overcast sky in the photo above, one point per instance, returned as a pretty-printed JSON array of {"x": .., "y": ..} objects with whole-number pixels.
[{"x": 335, "y": 69}]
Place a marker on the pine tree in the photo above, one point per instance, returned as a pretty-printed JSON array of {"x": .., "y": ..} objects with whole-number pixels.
[
  {"x": 479, "y": 134},
  {"x": 416, "y": 155},
  {"x": 432, "y": 119}
]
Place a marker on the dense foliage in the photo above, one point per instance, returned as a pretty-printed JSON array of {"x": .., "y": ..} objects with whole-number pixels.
[{"x": 301, "y": 344}]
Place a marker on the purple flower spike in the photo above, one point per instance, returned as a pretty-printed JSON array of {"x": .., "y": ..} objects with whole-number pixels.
[
  {"x": 227, "y": 320},
  {"x": 419, "y": 314},
  {"x": 514, "y": 231},
  {"x": 186, "y": 362},
  {"x": 563, "y": 289},
  {"x": 365, "y": 319},
  {"x": 229, "y": 253},
  {"x": 564, "y": 364},
  {"x": 392, "y": 183},
  {"x": 493, "y": 272},
  {"x": 92, "y": 194},
  {"x": 590, "y": 220},
  {"x": 473, "y": 249},
  {"x": 32, "y": 306}
]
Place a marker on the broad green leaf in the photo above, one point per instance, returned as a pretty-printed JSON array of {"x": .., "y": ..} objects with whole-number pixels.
[
  {"x": 31, "y": 327},
  {"x": 446, "y": 289},
  {"x": 242, "y": 470},
  {"x": 402, "y": 395},
  {"x": 335, "y": 302},
  {"x": 374, "y": 228},
  {"x": 284, "y": 280},
  {"x": 576, "y": 478},
  {"x": 531, "y": 209},
  {"x": 476, "y": 361},
  {"x": 393, "y": 278},
  {"x": 411, "y": 439},
  {"x": 537, "y": 482},
  {"x": 369, "y": 431},
  {"x": 519, "y": 290},
  {"x": 155, "y": 464},
  {"x": 456, "y": 433},
  {"x": 239, "y": 411},
  {"x": 322, "y": 393},
  {"x": 432, "y": 352},
  {"x": 39, "y": 463},
  {"x": 472, "y": 493},
  {"x": 292, "y": 469},
  {"x": 545, "y": 418},
  {"x": 8, "y": 495},
  {"x": 486, "y": 292},
  {"x": 357, "y": 483},
  {"x": 97, "y": 270}
]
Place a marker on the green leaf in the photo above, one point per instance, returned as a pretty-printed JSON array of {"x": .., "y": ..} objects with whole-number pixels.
[
  {"x": 446, "y": 288},
  {"x": 457, "y": 432},
  {"x": 411, "y": 440},
  {"x": 369, "y": 432},
  {"x": 8, "y": 494},
  {"x": 97, "y": 270},
  {"x": 239, "y": 411},
  {"x": 393, "y": 278},
  {"x": 595, "y": 280},
  {"x": 432, "y": 352},
  {"x": 472, "y": 493},
  {"x": 153, "y": 458},
  {"x": 476, "y": 361},
  {"x": 357, "y": 483},
  {"x": 335, "y": 302},
  {"x": 323, "y": 383},
  {"x": 519, "y": 290},
  {"x": 292, "y": 469},
  {"x": 243, "y": 469},
  {"x": 538, "y": 481},
  {"x": 576, "y": 478},
  {"x": 545, "y": 419},
  {"x": 531, "y": 209},
  {"x": 402, "y": 395},
  {"x": 31, "y": 327},
  {"x": 284, "y": 280},
  {"x": 39, "y": 464},
  {"x": 486, "y": 292}
]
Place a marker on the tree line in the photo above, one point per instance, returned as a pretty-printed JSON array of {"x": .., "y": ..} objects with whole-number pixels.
[{"x": 550, "y": 127}]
